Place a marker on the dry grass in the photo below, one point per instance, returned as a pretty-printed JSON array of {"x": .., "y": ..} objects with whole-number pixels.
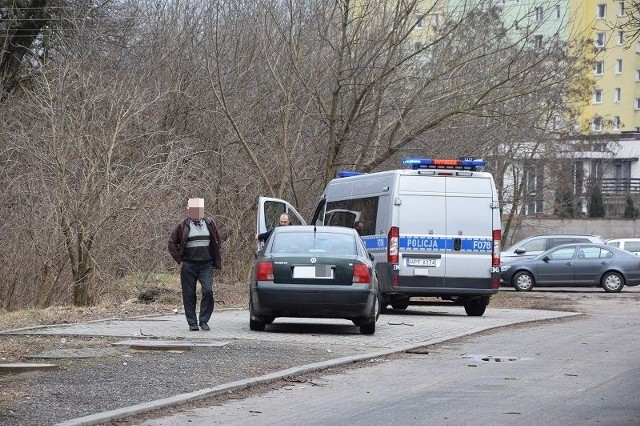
[{"x": 149, "y": 294}]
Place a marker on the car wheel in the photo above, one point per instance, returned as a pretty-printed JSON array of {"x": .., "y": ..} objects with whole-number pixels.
[
  {"x": 256, "y": 324},
  {"x": 476, "y": 307},
  {"x": 368, "y": 325},
  {"x": 400, "y": 303},
  {"x": 368, "y": 328},
  {"x": 612, "y": 282},
  {"x": 522, "y": 281},
  {"x": 269, "y": 320}
]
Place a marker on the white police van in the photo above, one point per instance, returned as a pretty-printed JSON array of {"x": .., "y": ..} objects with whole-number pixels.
[{"x": 433, "y": 228}]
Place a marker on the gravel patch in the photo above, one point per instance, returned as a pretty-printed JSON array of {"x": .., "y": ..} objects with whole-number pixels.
[{"x": 84, "y": 386}]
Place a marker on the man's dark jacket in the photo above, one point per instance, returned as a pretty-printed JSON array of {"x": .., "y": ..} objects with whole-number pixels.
[{"x": 179, "y": 236}]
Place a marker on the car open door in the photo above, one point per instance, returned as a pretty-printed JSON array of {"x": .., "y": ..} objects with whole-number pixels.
[{"x": 269, "y": 211}]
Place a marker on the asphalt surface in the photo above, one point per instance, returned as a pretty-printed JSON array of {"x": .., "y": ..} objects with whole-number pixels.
[{"x": 234, "y": 357}]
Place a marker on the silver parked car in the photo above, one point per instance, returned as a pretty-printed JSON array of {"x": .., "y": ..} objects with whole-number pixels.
[
  {"x": 533, "y": 246},
  {"x": 575, "y": 265}
]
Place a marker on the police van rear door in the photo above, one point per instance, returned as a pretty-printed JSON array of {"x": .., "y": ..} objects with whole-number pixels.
[
  {"x": 446, "y": 224},
  {"x": 470, "y": 216},
  {"x": 421, "y": 211}
]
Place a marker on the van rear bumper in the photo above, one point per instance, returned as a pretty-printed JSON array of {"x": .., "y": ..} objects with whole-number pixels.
[{"x": 432, "y": 286}]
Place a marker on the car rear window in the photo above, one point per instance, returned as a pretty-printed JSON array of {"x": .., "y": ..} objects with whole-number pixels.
[{"x": 294, "y": 242}]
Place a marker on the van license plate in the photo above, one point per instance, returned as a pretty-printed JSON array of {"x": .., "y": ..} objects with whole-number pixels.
[{"x": 422, "y": 262}]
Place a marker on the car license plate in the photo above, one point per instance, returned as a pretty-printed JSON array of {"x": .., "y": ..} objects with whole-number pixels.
[
  {"x": 316, "y": 271},
  {"x": 432, "y": 263}
]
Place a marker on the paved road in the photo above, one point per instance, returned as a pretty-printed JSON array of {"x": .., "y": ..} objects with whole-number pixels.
[
  {"x": 395, "y": 332},
  {"x": 581, "y": 372}
]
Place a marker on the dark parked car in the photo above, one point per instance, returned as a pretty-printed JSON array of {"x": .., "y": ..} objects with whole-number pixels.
[
  {"x": 579, "y": 265},
  {"x": 314, "y": 272}
]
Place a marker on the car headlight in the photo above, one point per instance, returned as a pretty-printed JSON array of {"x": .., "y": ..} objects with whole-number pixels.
[{"x": 504, "y": 268}]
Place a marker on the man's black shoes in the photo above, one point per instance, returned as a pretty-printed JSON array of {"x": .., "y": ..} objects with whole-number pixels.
[
  {"x": 204, "y": 326},
  {"x": 194, "y": 327}
]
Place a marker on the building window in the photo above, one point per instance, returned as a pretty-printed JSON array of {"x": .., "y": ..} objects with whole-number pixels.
[
  {"x": 637, "y": 103},
  {"x": 620, "y": 8},
  {"x": 533, "y": 188},
  {"x": 537, "y": 41},
  {"x": 597, "y": 96},
  {"x": 538, "y": 14},
  {"x": 601, "y": 39},
  {"x": 637, "y": 75},
  {"x": 617, "y": 94},
  {"x": 620, "y": 40},
  {"x": 598, "y": 68},
  {"x": 557, "y": 11},
  {"x": 616, "y": 122},
  {"x": 618, "y": 66},
  {"x": 597, "y": 124},
  {"x": 601, "y": 11}
]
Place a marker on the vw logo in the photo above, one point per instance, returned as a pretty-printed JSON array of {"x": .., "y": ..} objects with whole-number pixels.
[{"x": 313, "y": 260}]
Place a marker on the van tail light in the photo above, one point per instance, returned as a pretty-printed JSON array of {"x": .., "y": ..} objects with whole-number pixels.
[
  {"x": 394, "y": 243},
  {"x": 361, "y": 274},
  {"x": 264, "y": 271},
  {"x": 495, "y": 255}
]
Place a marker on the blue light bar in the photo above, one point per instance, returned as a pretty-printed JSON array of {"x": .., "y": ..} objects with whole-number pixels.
[
  {"x": 348, "y": 174},
  {"x": 438, "y": 163}
]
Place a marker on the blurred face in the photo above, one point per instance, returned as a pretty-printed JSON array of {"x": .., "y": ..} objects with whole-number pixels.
[
  {"x": 195, "y": 213},
  {"x": 284, "y": 219}
]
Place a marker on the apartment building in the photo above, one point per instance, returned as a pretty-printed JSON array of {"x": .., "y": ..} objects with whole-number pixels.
[{"x": 607, "y": 146}]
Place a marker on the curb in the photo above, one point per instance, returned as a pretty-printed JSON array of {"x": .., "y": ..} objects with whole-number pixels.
[{"x": 125, "y": 412}]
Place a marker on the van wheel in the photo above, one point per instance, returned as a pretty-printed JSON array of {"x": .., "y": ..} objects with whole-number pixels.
[
  {"x": 476, "y": 307},
  {"x": 400, "y": 303}
]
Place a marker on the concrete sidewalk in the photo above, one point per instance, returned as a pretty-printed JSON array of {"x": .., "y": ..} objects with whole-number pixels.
[{"x": 395, "y": 332}]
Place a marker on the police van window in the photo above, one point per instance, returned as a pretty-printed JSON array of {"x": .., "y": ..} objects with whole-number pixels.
[{"x": 348, "y": 212}]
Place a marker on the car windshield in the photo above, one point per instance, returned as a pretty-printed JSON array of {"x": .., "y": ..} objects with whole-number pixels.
[{"x": 295, "y": 242}]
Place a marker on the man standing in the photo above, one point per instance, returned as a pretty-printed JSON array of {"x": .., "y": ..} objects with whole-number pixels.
[
  {"x": 195, "y": 245},
  {"x": 284, "y": 221}
]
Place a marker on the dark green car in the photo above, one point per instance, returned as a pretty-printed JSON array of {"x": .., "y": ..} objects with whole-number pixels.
[{"x": 314, "y": 272}]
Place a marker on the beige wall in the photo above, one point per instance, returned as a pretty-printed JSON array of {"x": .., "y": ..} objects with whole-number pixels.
[{"x": 607, "y": 228}]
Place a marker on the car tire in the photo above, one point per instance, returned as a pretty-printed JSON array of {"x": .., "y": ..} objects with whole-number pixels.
[
  {"x": 476, "y": 307},
  {"x": 523, "y": 281},
  {"x": 368, "y": 326},
  {"x": 400, "y": 303},
  {"x": 255, "y": 324},
  {"x": 612, "y": 282}
]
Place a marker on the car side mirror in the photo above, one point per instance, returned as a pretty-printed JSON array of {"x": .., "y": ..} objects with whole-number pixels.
[
  {"x": 546, "y": 259},
  {"x": 371, "y": 256},
  {"x": 520, "y": 251}
]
